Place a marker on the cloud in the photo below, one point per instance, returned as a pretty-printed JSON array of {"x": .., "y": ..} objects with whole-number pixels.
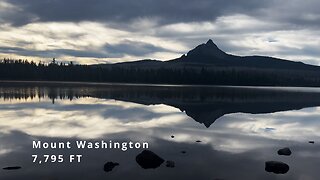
[
  {"x": 169, "y": 11},
  {"x": 126, "y": 30},
  {"x": 14, "y": 15},
  {"x": 133, "y": 48},
  {"x": 82, "y": 40},
  {"x": 52, "y": 53},
  {"x": 108, "y": 51},
  {"x": 165, "y": 12}
]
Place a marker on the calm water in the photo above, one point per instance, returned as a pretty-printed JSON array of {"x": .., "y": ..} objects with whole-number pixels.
[{"x": 239, "y": 129}]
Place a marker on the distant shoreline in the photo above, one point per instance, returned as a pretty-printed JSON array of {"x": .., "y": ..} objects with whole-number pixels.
[{"x": 103, "y": 84}]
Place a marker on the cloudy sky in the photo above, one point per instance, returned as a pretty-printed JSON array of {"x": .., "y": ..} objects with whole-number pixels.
[{"x": 107, "y": 31}]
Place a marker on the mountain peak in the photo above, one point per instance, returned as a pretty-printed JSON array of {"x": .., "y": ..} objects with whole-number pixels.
[
  {"x": 210, "y": 42},
  {"x": 206, "y": 52}
]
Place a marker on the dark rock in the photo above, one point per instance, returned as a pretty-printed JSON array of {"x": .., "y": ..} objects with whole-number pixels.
[
  {"x": 183, "y": 152},
  {"x": 172, "y": 136},
  {"x": 149, "y": 160},
  {"x": 284, "y": 152},
  {"x": 311, "y": 142},
  {"x": 109, "y": 166},
  {"x": 170, "y": 164},
  {"x": 12, "y": 168},
  {"x": 276, "y": 167},
  {"x": 198, "y": 141}
]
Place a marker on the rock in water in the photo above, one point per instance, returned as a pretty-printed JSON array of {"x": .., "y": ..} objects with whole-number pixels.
[
  {"x": 276, "y": 167},
  {"x": 170, "y": 164},
  {"x": 285, "y": 152},
  {"x": 311, "y": 142},
  {"x": 12, "y": 168},
  {"x": 149, "y": 160},
  {"x": 109, "y": 166},
  {"x": 172, "y": 136}
]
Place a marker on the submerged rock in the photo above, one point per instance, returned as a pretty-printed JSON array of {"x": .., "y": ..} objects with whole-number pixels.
[
  {"x": 170, "y": 164},
  {"x": 109, "y": 166},
  {"x": 183, "y": 152},
  {"x": 12, "y": 168},
  {"x": 149, "y": 160},
  {"x": 276, "y": 167},
  {"x": 284, "y": 152}
]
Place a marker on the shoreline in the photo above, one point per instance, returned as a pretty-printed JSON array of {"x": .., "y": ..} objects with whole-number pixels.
[{"x": 106, "y": 84}]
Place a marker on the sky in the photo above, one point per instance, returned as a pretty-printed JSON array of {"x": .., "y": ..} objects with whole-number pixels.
[{"x": 109, "y": 31}]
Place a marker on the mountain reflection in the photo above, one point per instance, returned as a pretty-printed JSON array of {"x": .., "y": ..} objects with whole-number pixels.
[
  {"x": 249, "y": 132},
  {"x": 204, "y": 104}
]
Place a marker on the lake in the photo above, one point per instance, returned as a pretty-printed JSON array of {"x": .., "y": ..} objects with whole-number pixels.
[{"x": 205, "y": 132}]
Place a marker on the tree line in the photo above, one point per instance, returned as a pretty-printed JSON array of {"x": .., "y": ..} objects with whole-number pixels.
[{"x": 24, "y": 70}]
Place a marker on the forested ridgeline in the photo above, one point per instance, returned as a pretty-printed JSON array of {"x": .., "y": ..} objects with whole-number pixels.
[{"x": 24, "y": 70}]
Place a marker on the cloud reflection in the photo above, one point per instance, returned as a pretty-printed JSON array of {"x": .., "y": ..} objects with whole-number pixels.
[
  {"x": 93, "y": 119},
  {"x": 90, "y": 118},
  {"x": 236, "y": 143}
]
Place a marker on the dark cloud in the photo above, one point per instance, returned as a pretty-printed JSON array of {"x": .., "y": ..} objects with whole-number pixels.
[
  {"x": 167, "y": 11},
  {"x": 13, "y": 15},
  {"x": 304, "y": 14},
  {"x": 108, "y": 51},
  {"x": 133, "y": 48},
  {"x": 274, "y": 15},
  {"x": 52, "y": 53}
]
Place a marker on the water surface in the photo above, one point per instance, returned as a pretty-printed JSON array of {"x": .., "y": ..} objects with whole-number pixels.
[{"x": 239, "y": 129}]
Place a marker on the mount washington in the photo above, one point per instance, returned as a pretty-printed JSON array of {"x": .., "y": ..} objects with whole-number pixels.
[{"x": 206, "y": 64}]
